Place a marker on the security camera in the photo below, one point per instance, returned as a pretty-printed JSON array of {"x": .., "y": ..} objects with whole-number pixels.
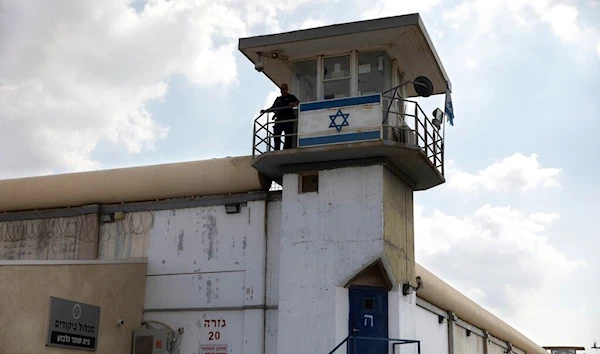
[
  {"x": 259, "y": 66},
  {"x": 120, "y": 322}
]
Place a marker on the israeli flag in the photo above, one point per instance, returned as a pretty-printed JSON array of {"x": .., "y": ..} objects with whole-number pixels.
[{"x": 449, "y": 108}]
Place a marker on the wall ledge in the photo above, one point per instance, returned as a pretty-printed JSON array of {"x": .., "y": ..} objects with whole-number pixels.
[{"x": 72, "y": 262}]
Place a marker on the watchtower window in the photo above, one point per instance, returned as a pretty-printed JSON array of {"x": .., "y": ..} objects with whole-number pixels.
[
  {"x": 336, "y": 77},
  {"x": 374, "y": 73},
  {"x": 305, "y": 80},
  {"x": 309, "y": 182}
]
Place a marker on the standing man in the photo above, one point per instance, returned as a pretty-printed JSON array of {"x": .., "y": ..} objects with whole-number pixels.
[{"x": 283, "y": 112}]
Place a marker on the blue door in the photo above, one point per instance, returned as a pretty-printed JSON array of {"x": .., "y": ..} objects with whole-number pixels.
[{"x": 368, "y": 318}]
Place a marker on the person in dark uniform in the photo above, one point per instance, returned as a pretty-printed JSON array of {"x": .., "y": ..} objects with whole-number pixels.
[{"x": 282, "y": 114}]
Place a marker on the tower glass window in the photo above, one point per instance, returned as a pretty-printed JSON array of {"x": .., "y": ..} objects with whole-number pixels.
[
  {"x": 336, "y": 77},
  {"x": 374, "y": 73},
  {"x": 304, "y": 83}
]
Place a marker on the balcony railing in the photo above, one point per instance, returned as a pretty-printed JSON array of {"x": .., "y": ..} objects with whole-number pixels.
[
  {"x": 404, "y": 121},
  {"x": 348, "y": 345},
  {"x": 263, "y": 137},
  {"x": 401, "y": 120}
]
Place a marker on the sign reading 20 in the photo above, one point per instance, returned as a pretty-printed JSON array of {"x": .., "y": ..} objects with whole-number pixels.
[{"x": 218, "y": 323}]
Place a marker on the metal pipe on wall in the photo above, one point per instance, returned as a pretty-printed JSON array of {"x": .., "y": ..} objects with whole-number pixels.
[
  {"x": 442, "y": 295},
  {"x": 135, "y": 184}
]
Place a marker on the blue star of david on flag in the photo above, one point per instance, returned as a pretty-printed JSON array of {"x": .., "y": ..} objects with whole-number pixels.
[{"x": 334, "y": 117}]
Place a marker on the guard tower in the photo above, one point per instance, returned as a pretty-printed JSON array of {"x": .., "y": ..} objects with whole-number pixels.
[{"x": 362, "y": 145}]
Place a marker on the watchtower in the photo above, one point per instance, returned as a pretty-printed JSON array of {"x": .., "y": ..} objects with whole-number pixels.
[{"x": 361, "y": 147}]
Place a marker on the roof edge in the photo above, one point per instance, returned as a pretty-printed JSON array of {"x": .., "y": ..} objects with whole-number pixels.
[{"x": 338, "y": 30}]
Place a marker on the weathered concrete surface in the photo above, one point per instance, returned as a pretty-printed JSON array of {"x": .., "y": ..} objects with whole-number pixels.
[
  {"x": 432, "y": 334},
  {"x": 206, "y": 239},
  {"x": 25, "y": 296},
  {"x": 271, "y": 332},
  {"x": 496, "y": 349},
  {"x": 65, "y": 238},
  {"x": 409, "y": 159},
  {"x": 205, "y": 264},
  {"x": 273, "y": 253},
  {"x": 464, "y": 344},
  {"x": 326, "y": 238},
  {"x": 128, "y": 238},
  {"x": 398, "y": 227},
  {"x": 200, "y": 330}
]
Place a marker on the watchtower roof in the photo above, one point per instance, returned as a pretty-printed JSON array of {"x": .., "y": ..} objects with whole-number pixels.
[{"x": 404, "y": 37}]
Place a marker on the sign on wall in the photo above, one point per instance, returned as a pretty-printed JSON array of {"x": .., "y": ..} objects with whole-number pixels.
[
  {"x": 213, "y": 334},
  {"x": 213, "y": 349},
  {"x": 73, "y": 325}
]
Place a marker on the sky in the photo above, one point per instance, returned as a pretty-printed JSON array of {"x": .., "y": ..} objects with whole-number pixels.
[{"x": 88, "y": 85}]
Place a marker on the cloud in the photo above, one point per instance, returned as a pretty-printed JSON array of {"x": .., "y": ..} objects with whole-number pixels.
[
  {"x": 314, "y": 22},
  {"x": 74, "y": 73},
  {"x": 496, "y": 254},
  {"x": 386, "y": 8},
  {"x": 563, "y": 20},
  {"x": 77, "y": 73},
  {"x": 516, "y": 172},
  {"x": 485, "y": 19}
]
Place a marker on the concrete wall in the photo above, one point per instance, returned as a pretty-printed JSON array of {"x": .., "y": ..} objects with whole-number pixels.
[
  {"x": 76, "y": 238},
  {"x": 24, "y": 302},
  {"x": 472, "y": 344},
  {"x": 275, "y": 273},
  {"x": 495, "y": 349},
  {"x": 127, "y": 238},
  {"x": 64, "y": 238},
  {"x": 272, "y": 282},
  {"x": 326, "y": 237},
  {"x": 399, "y": 245},
  {"x": 204, "y": 264},
  {"x": 432, "y": 334},
  {"x": 467, "y": 338}
]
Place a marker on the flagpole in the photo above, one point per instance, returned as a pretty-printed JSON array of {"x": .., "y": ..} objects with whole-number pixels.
[{"x": 444, "y": 145}]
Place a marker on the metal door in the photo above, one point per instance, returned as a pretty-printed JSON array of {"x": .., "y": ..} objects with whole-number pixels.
[{"x": 368, "y": 318}]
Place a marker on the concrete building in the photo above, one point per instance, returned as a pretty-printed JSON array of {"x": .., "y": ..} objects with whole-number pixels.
[{"x": 212, "y": 259}]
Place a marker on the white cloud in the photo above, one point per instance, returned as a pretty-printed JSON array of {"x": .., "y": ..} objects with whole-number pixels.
[
  {"x": 471, "y": 63},
  {"x": 497, "y": 255},
  {"x": 314, "y": 22},
  {"x": 563, "y": 20},
  {"x": 75, "y": 73},
  {"x": 516, "y": 172},
  {"x": 476, "y": 294},
  {"x": 386, "y": 8},
  {"x": 484, "y": 19}
]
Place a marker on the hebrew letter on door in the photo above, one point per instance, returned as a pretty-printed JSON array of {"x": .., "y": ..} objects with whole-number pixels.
[{"x": 367, "y": 319}]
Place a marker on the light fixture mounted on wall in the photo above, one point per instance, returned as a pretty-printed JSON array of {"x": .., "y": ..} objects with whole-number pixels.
[
  {"x": 232, "y": 208},
  {"x": 110, "y": 217},
  {"x": 407, "y": 289},
  {"x": 438, "y": 115}
]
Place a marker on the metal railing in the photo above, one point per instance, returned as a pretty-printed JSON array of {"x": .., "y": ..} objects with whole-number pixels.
[
  {"x": 404, "y": 121},
  {"x": 351, "y": 341},
  {"x": 263, "y": 136}
]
